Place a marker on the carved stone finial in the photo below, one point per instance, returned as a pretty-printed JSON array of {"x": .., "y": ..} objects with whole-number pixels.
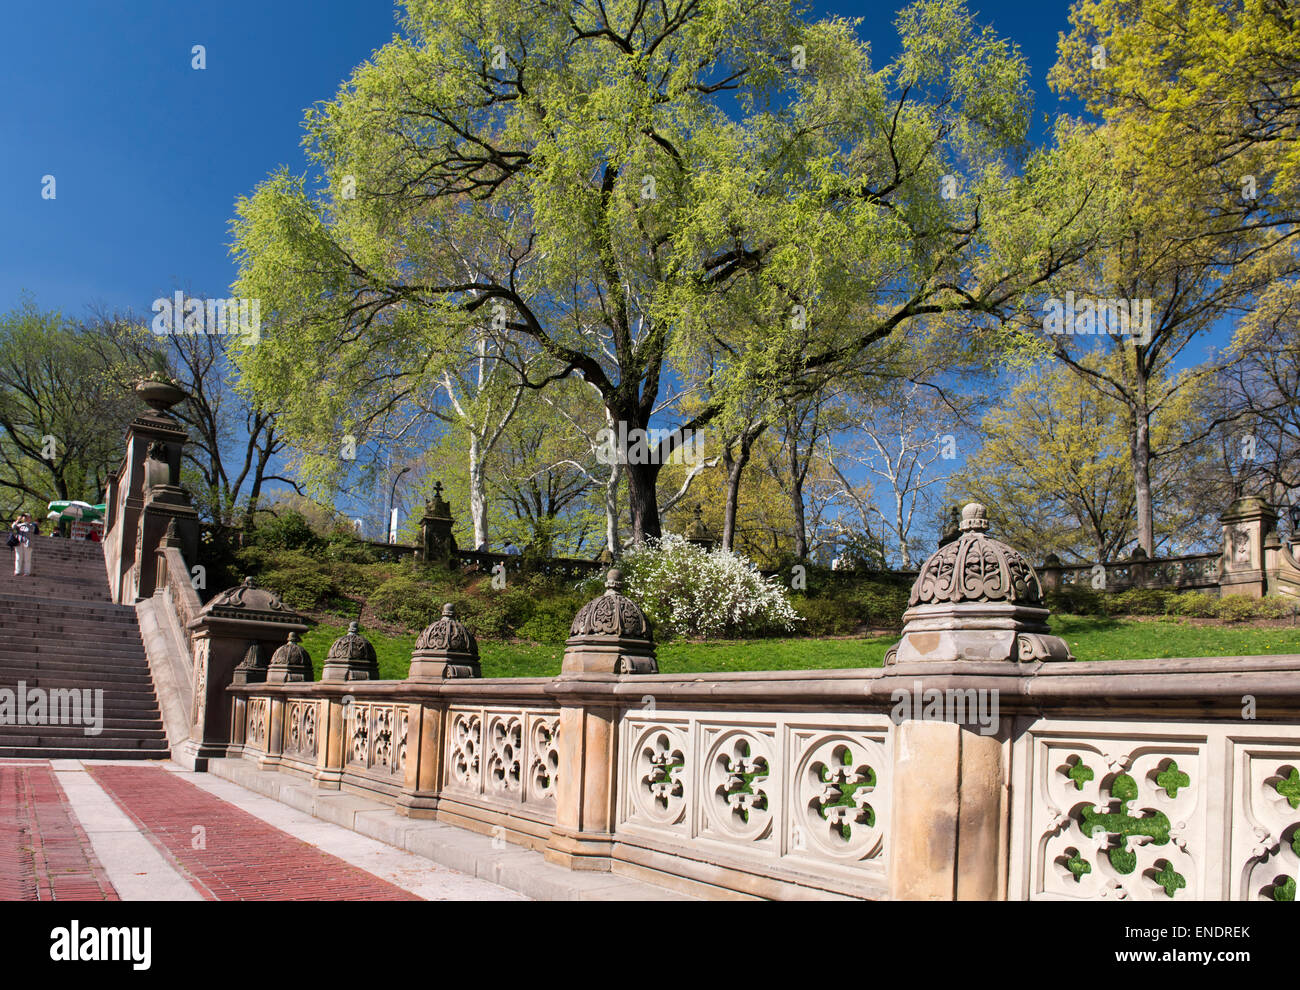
[
  {"x": 610, "y": 634},
  {"x": 351, "y": 658},
  {"x": 290, "y": 663},
  {"x": 976, "y": 599},
  {"x": 445, "y": 649},
  {"x": 974, "y": 518}
]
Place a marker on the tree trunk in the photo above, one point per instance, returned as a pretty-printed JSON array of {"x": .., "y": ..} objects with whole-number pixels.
[
  {"x": 796, "y": 504},
  {"x": 477, "y": 493},
  {"x": 643, "y": 503},
  {"x": 735, "y": 468},
  {"x": 1141, "y": 452},
  {"x": 613, "y": 541}
]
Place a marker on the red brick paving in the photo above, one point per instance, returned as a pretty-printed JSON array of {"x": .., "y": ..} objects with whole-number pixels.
[
  {"x": 245, "y": 858},
  {"x": 44, "y": 854}
]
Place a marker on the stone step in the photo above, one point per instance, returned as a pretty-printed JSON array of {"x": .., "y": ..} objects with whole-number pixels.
[
  {"x": 80, "y": 753},
  {"x": 77, "y": 651},
  {"x": 27, "y": 735},
  {"x": 111, "y": 635}
]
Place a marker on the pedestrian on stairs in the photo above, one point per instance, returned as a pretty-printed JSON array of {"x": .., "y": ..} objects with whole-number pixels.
[{"x": 23, "y": 529}]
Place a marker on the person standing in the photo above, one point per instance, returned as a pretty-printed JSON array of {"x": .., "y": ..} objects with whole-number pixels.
[{"x": 23, "y": 529}]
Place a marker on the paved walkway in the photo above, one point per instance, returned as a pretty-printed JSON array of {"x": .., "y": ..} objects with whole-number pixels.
[{"x": 106, "y": 830}]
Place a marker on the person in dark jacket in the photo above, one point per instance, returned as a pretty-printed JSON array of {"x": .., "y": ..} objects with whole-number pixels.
[{"x": 23, "y": 529}]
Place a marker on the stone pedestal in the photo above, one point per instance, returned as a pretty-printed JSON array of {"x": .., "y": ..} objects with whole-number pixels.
[
  {"x": 231, "y": 636},
  {"x": 610, "y": 636},
  {"x": 351, "y": 658},
  {"x": 976, "y": 606},
  {"x": 148, "y": 497},
  {"x": 1245, "y": 525},
  {"x": 437, "y": 545}
]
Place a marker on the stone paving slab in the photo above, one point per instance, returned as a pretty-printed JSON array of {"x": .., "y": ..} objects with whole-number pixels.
[
  {"x": 45, "y": 854},
  {"x": 514, "y": 867},
  {"x": 228, "y": 854}
]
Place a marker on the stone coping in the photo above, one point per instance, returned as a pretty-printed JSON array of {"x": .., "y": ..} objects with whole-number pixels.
[{"x": 1198, "y": 685}]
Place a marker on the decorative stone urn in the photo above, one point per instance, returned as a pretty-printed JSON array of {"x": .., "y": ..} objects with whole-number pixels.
[
  {"x": 290, "y": 663},
  {"x": 158, "y": 393},
  {"x": 976, "y": 599},
  {"x": 611, "y": 635},
  {"x": 351, "y": 658},
  {"x": 445, "y": 649}
]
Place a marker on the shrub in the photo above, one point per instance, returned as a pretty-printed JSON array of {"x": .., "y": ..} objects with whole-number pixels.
[
  {"x": 688, "y": 591},
  {"x": 287, "y": 531},
  {"x": 827, "y": 616},
  {"x": 1235, "y": 608},
  {"x": 1076, "y": 599},
  {"x": 299, "y": 580},
  {"x": 1140, "y": 601},
  {"x": 1196, "y": 604}
]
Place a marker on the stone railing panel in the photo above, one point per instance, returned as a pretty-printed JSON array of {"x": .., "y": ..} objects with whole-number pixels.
[
  {"x": 375, "y": 741},
  {"x": 1142, "y": 811},
  {"x": 797, "y": 793},
  {"x": 503, "y": 758}
]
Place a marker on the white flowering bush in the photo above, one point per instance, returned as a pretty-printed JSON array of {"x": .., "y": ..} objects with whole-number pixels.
[{"x": 689, "y": 591}]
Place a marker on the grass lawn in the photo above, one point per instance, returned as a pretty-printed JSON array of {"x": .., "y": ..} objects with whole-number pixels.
[{"x": 1090, "y": 638}]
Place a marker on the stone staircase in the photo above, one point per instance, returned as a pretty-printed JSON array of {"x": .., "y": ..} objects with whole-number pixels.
[{"x": 60, "y": 629}]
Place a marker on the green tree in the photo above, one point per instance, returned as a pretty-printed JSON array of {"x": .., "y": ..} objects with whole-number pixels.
[
  {"x": 606, "y": 187},
  {"x": 65, "y": 400}
]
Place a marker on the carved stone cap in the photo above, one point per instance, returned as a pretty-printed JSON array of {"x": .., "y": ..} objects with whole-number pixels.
[
  {"x": 612, "y": 615},
  {"x": 447, "y": 635},
  {"x": 446, "y": 649},
  {"x": 290, "y": 662},
  {"x": 975, "y": 568},
  {"x": 1248, "y": 508},
  {"x": 352, "y": 646},
  {"x": 976, "y": 599},
  {"x": 351, "y": 658},
  {"x": 248, "y": 601}
]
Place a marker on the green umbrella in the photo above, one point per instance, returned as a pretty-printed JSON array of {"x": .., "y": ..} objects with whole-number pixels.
[{"x": 72, "y": 509}]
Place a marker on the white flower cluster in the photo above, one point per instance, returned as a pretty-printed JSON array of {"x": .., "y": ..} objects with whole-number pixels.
[{"x": 689, "y": 591}]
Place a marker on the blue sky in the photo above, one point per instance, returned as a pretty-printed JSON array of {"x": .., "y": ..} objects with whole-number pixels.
[{"x": 148, "y": 154}]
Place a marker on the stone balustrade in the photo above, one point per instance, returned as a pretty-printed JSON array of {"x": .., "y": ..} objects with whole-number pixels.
[{"x": 981, "y": 762}]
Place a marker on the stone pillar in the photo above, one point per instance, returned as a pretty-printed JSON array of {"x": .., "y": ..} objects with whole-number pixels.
[
  {"x": 331, "y": 752},
  {"x": 437, "y": 545},
  {"x": 446, "y": 649},
  {"x": 425, "y": 726},
  {"x": 976, "y": 611},
  {"x": 949, "y": 815},
  {"x": 1137, "y": 568},
  {"x": 1245, "y": 525},
  {"x": 1051, "y": 572},
  {"x": 610, "y": 637},
  {"x": 150, "y": 497},
  {"x": 699, "y": 534},
  {"x": 231, "y": 637}
]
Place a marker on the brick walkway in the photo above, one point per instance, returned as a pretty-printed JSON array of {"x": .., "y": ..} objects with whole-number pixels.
[
  {"x": 239, "y": 857},
  {"x": 44, "y": 854}
]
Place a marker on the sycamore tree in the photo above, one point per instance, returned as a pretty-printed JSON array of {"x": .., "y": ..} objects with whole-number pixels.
[
  {"x": 1197, "y": 107},
  {"x": 602, "y": 185},
  {"x": 1054, "y": 467}
]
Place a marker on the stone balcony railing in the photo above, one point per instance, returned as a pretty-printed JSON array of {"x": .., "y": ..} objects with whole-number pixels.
[
  {"x": 979, "y": 763},
  {"x": 1195, "y": 571}
]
